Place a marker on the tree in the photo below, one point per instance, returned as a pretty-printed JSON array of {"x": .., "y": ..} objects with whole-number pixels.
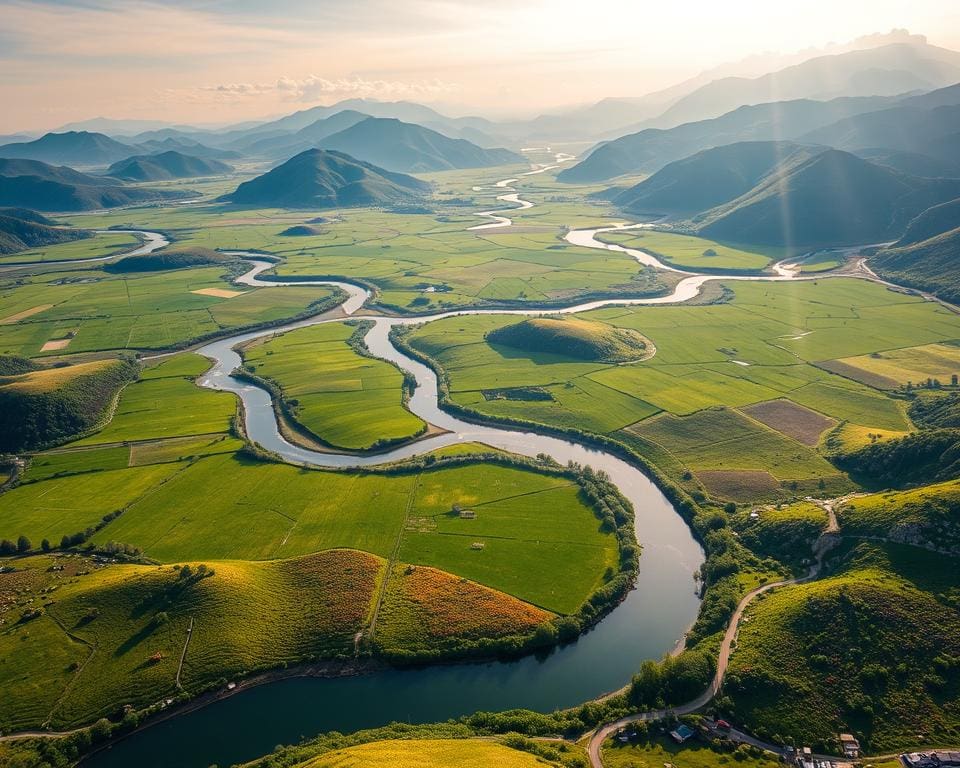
[
  {"x": 45, "y": 545},
  {"x": 7, "y": 547},
  {"x": 23, "y": 544}
]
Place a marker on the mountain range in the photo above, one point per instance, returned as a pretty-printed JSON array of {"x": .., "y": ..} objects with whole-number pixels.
[
  {"x": 786, "y": 194},
  {"x": 319, "y": 178},
  {"x": 39, "y": 186},
  {"x": 72, "y": 148}
]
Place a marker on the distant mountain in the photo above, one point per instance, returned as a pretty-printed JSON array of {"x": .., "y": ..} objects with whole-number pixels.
[
  {"x": 288, "y": 144},
  {"x": 927, "y": 257},
  {"x": 320, "y": 178},
  {"x": 785, "y": 194},
  {"x": 410, "y": 148},
  {"x": 187, "y": 147},
  {"x": 709, "y": 178},
  {"x": 22, "y": 229},
  {"x": 113, "y": 127},
  {"x": 164, "y": 166},
  {"x": 73, "y": 148},
  {"x": 883, "y": 71},
  {"x": 42, "y": 187},
  {"x": 651, "y": 149}
]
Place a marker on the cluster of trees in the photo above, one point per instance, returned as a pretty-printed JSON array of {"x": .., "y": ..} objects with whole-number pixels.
[
  {"x": 672, "y": 680},
  {"x": 927, "y": 456},
  {"x": 20, "y": 547},
  {"x": 939, "y": 411}
]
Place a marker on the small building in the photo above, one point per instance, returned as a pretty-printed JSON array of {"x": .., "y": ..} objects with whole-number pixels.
[
  {"x": 849, "y": 746},
  {"x": 681, "y": 733},
  {"x": 477, "y": 545},
  {"x": 467, "y": 514},
  {"x": 938, "y": 759}
]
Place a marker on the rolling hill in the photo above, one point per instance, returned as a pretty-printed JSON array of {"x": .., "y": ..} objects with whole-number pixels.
[
  {"x": 582, "y": 339},
  {"x": 164, "y": 166},
  {"x": 39, "y": 186},
  {"x": 21, "y": 229},
  {"x": 411, "y": 148},
  {"x": 927, "y": 255},
  {"x": 783, "y": 194},
  {"x": 649, "y": 150},
  {"x": 320, "y": 178},
  {"x": 71, "y": 148}
]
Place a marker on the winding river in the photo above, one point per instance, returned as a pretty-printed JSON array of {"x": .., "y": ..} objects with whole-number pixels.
[{"x": 646, "y": 625}]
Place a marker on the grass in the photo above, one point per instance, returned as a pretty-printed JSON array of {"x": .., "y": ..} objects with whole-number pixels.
[
  {"x": 343, "y": 398},
  {"x": 870, "y": 649},
  {"x": 426, "y": 609},
  {"x": 247, "y": 616},
  {"x": 786, "y": 532},
  {"x": 911, "y": 364},
  {"x": 426, "y": 753},
  {"x": 96, "y": 247},
  {"x": 136, "y": 311},
  {"x": 658, "y": 751},
  {"x": 570, "y": 337},
  {"x": 929, "y": 516},
  {"x": 695, "y": 254}
]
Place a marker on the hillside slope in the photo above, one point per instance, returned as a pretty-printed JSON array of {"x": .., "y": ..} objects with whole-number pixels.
[
  {"x": 70, "y": 148},
  {"x": 319, "y": 178},
  {"x": 21, "y": 229},
  {"x": 164, "y": 166}
]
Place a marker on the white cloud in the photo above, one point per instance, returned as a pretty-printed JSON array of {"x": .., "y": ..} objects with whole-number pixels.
[{"x": 313, "y": 88}]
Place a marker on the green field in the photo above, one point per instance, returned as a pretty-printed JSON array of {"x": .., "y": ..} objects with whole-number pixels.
[
  {"x": 426, "y": 753},
  {"x": 97, "y": 311},
  {"x": 95, "y": 247},
  {"x": 695, "y": 254},
  {"x": 658, "y": 751},
  {"x": 345, "y": 399}
]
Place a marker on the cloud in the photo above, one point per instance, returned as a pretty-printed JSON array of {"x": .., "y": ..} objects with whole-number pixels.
[{"x": 315, "y": 88}]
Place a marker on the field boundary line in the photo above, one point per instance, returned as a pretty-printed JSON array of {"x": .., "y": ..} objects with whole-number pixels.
[
  {"x": 69, "y": 686},
  {"x": 183, "y": 654},
  {"x": 391, "y": 561}
]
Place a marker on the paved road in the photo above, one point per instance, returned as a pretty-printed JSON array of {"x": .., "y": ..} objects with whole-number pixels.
[{"x": 605, "y": 731}]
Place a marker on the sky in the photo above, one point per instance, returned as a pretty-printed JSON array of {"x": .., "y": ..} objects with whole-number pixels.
[{"x": 222, "y": 61}]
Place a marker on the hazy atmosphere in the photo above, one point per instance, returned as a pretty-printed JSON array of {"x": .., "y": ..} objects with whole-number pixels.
[{"x": 212, "y": 62}]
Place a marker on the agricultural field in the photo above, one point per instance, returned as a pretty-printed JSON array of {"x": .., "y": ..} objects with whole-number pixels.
[
  {"x": 343, "y": 398},
  {"x": 694, "y": 254},
  {"x": 423, "y": 261},
  {"x": 912, "y": 365},
  {"x": 427, "y": 753},
  {"x": 871, "y": 648},
  {"x": 96, "y": 247},
  {"x": 88, "y": 310},
  {"x": 736, "y": 393}
]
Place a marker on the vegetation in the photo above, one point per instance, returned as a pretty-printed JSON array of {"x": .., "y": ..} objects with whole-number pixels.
[
  {"x": 22, "y": 229},
  {"x": 51, "y": 405},
  {"x": 330, "y": 386},
  {"x": 695, "y": 254},
  {"x": 168, "y": 258},
  {"x": 164, "y": 166},
  {"x": 920, "y": 457},
  {"x": 581, "y": 339},
  {"x": 651, "y": 750},
  {"x": 427, "y": 753},
  {"x": 872, "y": 649}
]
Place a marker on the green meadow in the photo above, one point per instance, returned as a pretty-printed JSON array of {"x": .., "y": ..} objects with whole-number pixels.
[
  {"x": 345, "y": 399},
  {"x": 96, "y": 247},
  {"x": 696, "y": 254}
]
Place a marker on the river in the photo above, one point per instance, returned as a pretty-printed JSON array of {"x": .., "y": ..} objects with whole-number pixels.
[{"x": 648, "y": 623}]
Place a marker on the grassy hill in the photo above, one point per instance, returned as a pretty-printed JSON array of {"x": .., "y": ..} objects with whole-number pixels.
[
  {"x": 319, "y": 178},
  {"x": 873, "y": 648},
  {"x": 410, "y": 148},
  {"x": 926, "y": 256},
  {"x": 37, "y": 185},
  {"x": 52, "y": 404},
  {"x": 168, "y": 258},
  {"x": 582, "y": 339},
  {"x": 22, "y": 229},
  {"x": 166, "y": 165}
]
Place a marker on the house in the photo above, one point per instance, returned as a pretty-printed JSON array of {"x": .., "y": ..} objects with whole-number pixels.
[
  {"x": 938, "y": 759},
  {"x": 681, "y": 733},
  {"x": 467, "y": 514},
  {"x": 849, "y": 746}
]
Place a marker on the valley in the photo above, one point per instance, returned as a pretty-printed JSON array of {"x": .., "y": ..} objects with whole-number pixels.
[{"x": 366, "y": 435}]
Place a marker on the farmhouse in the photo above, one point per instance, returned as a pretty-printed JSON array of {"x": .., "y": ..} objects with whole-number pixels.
[
  {"x": 467, "y": 514},
  {"x": 681, "y": 733},
  {"x": 941, "y": 759},
  {"x": 849, "y": 746}
]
